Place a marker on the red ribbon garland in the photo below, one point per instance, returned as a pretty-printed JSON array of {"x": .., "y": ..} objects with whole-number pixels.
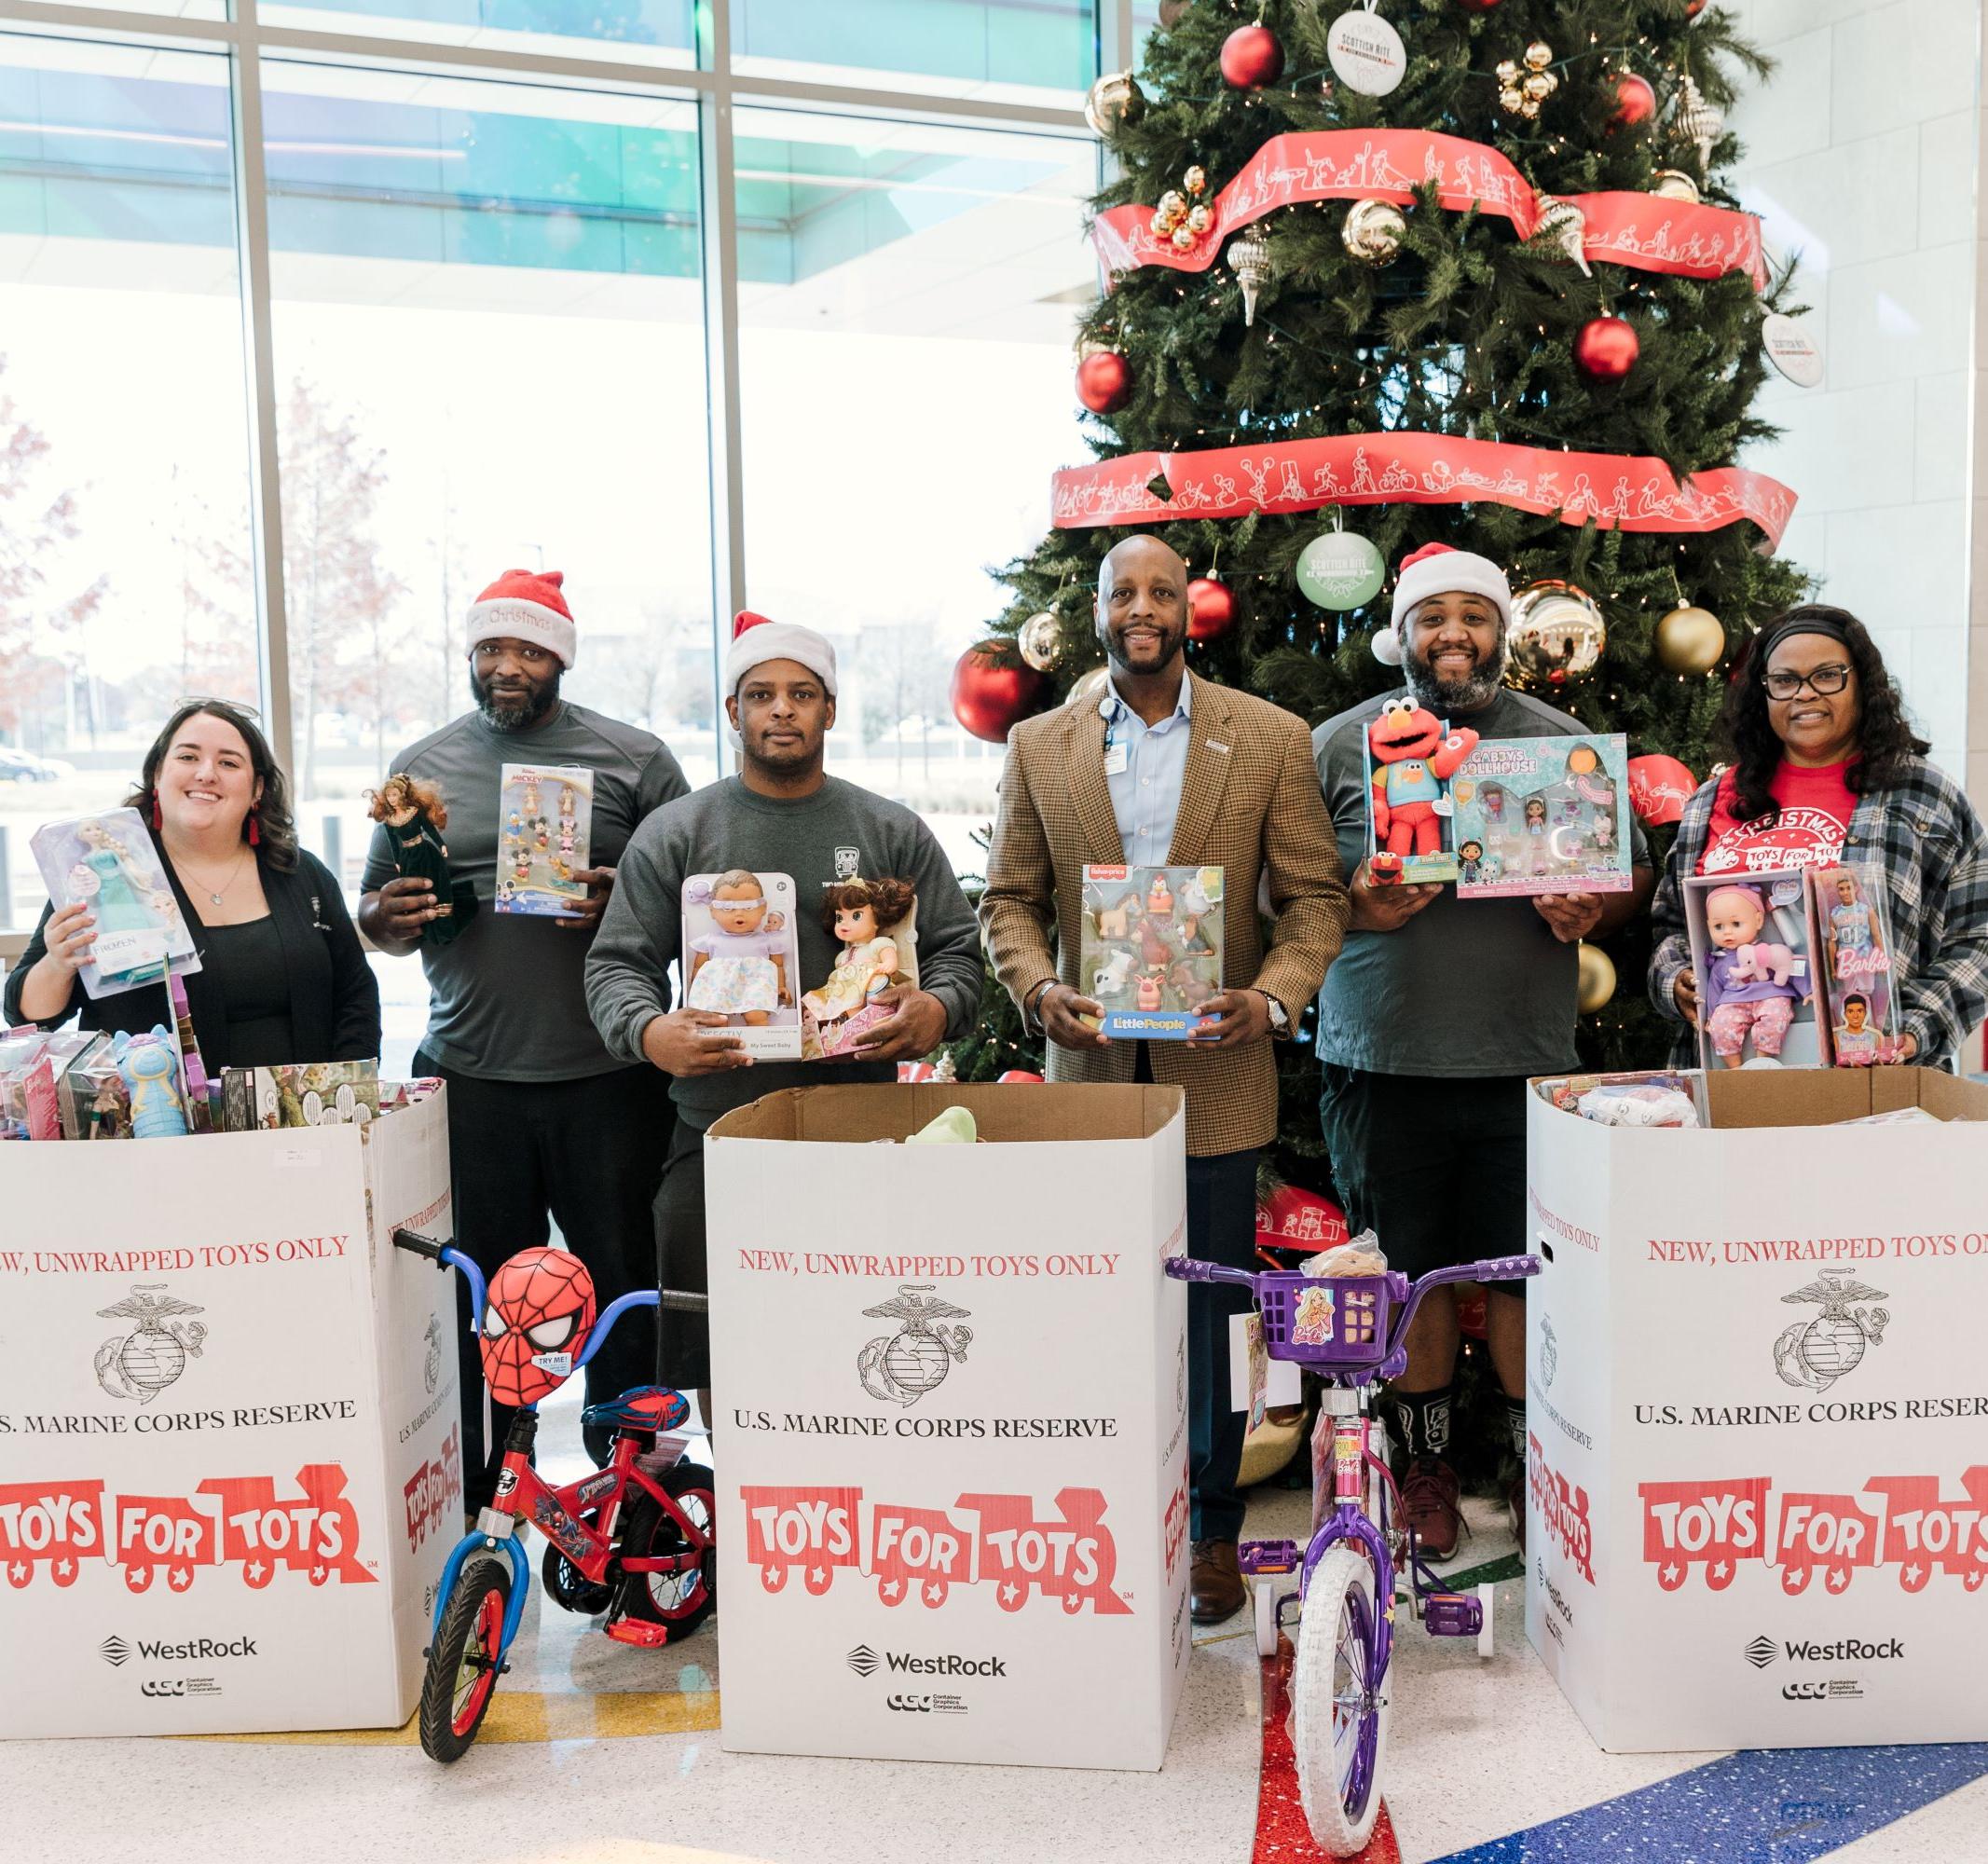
[
  {"x": 1650, "y": 232},
  {"x": 1616, "y": 490}
]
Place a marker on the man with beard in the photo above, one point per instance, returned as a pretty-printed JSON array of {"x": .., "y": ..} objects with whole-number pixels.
[
  {"x": 1167, "y": 770},
  {"x": 543, "y": 1122},
  {"x": 1434, "y": 1016},
  {"x": 782, "y": 814}
]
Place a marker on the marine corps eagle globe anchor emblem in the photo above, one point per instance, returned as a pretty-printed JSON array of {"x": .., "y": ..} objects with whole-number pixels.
[
  {"x": 1819, "y": 1351},
  {"x": 901, "y": 1367},
  {"x": 140, "y": 1364}
]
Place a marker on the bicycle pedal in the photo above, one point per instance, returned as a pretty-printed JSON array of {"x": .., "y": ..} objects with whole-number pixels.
[
  {"x": 1448, "y": 1614},
  {"x": 638, "y": 1632},
  {"x": 1271, "y": 1556}
]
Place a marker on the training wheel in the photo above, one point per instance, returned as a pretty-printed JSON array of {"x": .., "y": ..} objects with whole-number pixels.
[
  {"x": 1487, "y": 1633},
  {"x": 1265, "y": 1618}
]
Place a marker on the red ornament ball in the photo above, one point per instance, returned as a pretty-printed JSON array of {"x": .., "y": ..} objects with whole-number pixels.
[
  {"x": 1211, "y": 609},
  {"x": 1252, "y": 58},
  {"x": 1636, "y": 101},
  {"x": 1476, "y": 6},
  {"x": 993, "y": 690},
  {"x": 1659, "y": 788},
  {"x": 1104, "y": 381},
  {"x": 1606, "y": 349}
]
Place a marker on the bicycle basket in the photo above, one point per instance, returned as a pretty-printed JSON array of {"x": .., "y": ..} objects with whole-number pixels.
[{"x": 1329, "y": 1320}]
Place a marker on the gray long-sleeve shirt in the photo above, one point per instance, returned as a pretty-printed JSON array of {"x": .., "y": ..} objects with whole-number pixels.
[{"x": 837, "y": 831}]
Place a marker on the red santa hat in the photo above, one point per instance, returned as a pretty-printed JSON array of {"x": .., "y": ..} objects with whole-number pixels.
[
  {"x": 758, "y": 639},
  {"x": 1440, "y": 569},
  {"x": 524, "y": 604}
]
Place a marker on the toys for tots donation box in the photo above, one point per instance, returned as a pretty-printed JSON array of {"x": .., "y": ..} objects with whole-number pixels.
[
  {"x": 952, "y": 1498},
  {"x": 1758, "y": 1465},
  {"x": 233, "y": 1461}
]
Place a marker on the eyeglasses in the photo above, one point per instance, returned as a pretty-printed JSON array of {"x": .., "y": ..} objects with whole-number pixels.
[
  {"x": 1821, "y": 680},
  {"x": 209, "y": 701}
]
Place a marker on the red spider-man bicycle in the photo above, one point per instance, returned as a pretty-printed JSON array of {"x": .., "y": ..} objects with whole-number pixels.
[{"x": 634, "y": 1539}]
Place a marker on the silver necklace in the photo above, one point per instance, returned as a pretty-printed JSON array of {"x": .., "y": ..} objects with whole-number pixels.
[{"x": 213, "y": 898}]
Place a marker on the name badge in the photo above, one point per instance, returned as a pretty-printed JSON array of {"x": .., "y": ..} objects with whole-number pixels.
[{"x": 1116, "y": 760}]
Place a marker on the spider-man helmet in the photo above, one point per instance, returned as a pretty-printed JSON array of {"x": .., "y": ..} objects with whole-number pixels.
[{"x": 535, "y": 1324}]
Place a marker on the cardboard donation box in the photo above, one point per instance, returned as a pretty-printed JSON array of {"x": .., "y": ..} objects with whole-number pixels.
[
  {"x": 1757, "y": 1469},
  {"x": 233, "y": 1458},
  {"x": 950, "y": 1387}
]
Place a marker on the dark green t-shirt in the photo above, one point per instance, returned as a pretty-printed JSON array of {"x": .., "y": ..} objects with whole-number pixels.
[{"x": 1466, "y": 987}]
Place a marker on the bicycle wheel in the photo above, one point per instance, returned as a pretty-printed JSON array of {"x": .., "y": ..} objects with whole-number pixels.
[
  {"x": 1339, "y": 1730},
  {"x": 682, "y": 1600},
  {"x": 464, "y": 1659}
]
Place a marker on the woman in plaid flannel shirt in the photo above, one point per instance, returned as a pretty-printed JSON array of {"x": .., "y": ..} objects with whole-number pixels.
[{"x": 1827, "y": 768}]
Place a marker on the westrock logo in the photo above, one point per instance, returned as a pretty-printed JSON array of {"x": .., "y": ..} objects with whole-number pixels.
[
  {"x": 115, "y": 1650},
  {"x": 1563, "y": 1510},
  {"x": 821, "y": 1533},
  {"x": 863, "y": 1660},
  {"x": 140, "y": 1364},
  {"x": 1760, "y": 1652},
  {"x": 1817, "y": 1352},
  {"x": 1716, "y": 1527},
  {"x": 901, "y": 1367},
  {"x": 239, "y": 1521}
]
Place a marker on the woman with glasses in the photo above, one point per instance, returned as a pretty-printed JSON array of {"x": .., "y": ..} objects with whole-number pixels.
[
  {"x": 282, "y": 976},
  {"x": 1827, "y": 769}
]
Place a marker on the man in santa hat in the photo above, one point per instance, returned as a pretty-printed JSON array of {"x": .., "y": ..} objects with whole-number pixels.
[
  {"x": 1434, "y": 1018},
  {"x": 545, "y": 1125},
  {"x": 782, "y": 814}
]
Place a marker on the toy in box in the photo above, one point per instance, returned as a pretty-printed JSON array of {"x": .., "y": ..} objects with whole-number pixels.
[
  {"x": 93, "y": 1100},
  {"x": 544, "y": 816},
  {"x": 300, "y": 1094},
  {"x": 742, "y": 958},
  {"x": 1543, "y": 816},
  {"x": 108, "y": 863},
  {"x": 874, "y": 923},
  {"x": 1671, "y": 1098},
  {"x": 1411, "y": 756},
  {"x": 28, "y": 1101},
  {"x": 1860, "y": 1028},
  {"x": 1151, "y": 951},
  {"x": 1752, "y": 956}
]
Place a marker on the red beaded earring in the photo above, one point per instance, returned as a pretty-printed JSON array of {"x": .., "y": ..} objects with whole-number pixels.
[
  {"x": 155, "y": 819},
  {"x": 254, "y": 832}
]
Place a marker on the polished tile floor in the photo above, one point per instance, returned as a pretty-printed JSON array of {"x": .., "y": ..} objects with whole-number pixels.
[{"x": 597, "y": 1752}]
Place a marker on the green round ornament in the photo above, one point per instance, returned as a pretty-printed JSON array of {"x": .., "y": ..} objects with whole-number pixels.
[{"x": 1341, "y": 569}]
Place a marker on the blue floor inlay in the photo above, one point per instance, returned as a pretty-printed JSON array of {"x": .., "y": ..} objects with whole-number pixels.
[{"x": 1757, "y": 1807}]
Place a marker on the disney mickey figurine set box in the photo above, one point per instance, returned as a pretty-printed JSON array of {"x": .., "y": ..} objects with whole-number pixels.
[
  {"x": 544, "y": 817},
  {"x": 1151, "y": 949}
]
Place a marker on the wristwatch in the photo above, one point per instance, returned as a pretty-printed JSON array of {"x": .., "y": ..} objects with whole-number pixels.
[{"x": 1280, "y": 1022}]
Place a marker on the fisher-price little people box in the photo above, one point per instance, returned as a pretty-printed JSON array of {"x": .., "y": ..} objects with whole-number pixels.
[
  {"x": 950, "y": 1387},
  {"x": 1758, "y": 1466},
  {"x": 232, "y": 1459}
]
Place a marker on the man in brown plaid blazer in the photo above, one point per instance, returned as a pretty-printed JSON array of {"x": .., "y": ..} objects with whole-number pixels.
[{"x": 1166, "y": 770}]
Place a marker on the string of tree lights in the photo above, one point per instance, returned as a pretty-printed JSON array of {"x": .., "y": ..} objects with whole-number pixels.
[{"x": 1325, "y": 318}]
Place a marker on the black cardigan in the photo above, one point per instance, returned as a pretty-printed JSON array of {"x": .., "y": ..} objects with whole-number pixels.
[{"x": 334, "y": 995}]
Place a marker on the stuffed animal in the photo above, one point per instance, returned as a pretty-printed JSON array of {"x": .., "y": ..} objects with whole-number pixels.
[{"x": 1417, "y": 761}]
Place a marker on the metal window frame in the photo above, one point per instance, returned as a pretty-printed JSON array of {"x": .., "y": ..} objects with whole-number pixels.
[{"x": 709, "y": 83}]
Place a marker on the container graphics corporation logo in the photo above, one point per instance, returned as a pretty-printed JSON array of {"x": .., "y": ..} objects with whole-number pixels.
[
  {"x": 115, "y": 1652},
  {"x": 863, "y": 1660},
  {"x": 140, "y": 1364},
  {"x": 1818, "y": 1351},
  {"x": 901, "y": 1367},
  {"x": 1760, "y": 1652}
]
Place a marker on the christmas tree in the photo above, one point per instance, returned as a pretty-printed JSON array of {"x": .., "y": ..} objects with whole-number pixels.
[{"x": 1430, "y": 271}]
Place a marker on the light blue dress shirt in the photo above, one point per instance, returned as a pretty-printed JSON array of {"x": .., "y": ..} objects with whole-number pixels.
[{"x": 1145, "y": 794}]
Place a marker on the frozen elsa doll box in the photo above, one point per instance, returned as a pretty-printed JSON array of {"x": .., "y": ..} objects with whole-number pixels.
[{"x": 107, "y": 862}]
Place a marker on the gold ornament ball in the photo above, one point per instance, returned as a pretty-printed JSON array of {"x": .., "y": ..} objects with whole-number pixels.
[
  {"x": 1084, "y": 691},
  {"x": 1597, "y": 980},
  {"x": 1539, "y": 55},
  {"x": 1511, "y": 101},
  {"x": 1675, "y": 185},
  {"x": 1195, "y": 180},
  {"x": 1199, "y": 219},
  {"x": 1508, "y": 73},
  {"x": 1372, "y": 232},
  {"x": 1040, "y": 641},
  {"x": 1557, "y": 634},
  {"x": 1538, "y": 85},
  {"x": 1690, "y": 641},
  {"x": 1184, "y": 237},
  {"x": 1115, "y": 98}
]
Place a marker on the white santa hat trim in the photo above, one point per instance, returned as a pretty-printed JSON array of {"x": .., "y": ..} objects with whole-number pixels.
[
  {"x": 1440, "y": 569},
  {"x": 755, "y": 640},
  {"x": 526, "y": 604}
]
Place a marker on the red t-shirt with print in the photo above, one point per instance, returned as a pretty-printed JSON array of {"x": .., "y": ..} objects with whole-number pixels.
[{"x": 1817, "y": 806}]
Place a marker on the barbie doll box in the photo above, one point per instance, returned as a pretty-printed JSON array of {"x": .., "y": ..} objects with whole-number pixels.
[
  {"x": 953, "y": 1505},
  {"x": 742, "y": 957},
  {"x": 1756, "y": 1482},
  {"x": 1543, "y": 816},
  {"x": 1151, "y": 950},
  {"x": 1753, "y": 958},
  {"x": 1860, "y": 1021},
  {"x": 107, "y": 862},
  {"x": 544, "y": 817}
]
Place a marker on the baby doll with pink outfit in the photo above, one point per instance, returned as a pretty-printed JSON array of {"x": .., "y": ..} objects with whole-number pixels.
[{"x": 1750, "y": 993}]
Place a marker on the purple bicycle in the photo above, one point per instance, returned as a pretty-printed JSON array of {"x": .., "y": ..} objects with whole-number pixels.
[{"x": 1350, "y": 1331}]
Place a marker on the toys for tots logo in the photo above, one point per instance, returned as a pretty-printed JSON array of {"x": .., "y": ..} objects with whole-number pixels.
[
  {"x": 1563, "y": 1510},
  {"x": 1898, "y": 1521},
  {"x": 822, "y": 1532},
  {"x": 237, "y": 1521},
  {"x": 433, "y": 1489}
]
